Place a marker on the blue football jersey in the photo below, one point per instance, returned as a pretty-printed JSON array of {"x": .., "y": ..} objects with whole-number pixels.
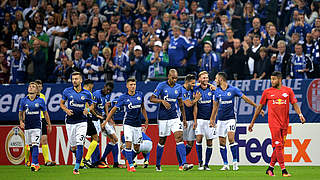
[
  {"x": 77, "y": 103},
  {"x": 32, "y": 111},
  {"x": 171, "y": 95},
  {"x": 101, "y": 101},
  {"x": 188, "y": 110},
  {"x": 132, "y": 108},
  {"x": 205, "y": 103},
  {"x": 177, "y": 50},
  {"x": 228, "y": 100}
]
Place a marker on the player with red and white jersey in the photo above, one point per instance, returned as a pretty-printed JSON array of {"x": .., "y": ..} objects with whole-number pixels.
[{"x": 277, "y": 98}]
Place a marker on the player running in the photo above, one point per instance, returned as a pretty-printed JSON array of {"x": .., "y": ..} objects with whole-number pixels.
[
  {"x": 30, "y": 109},
  {"x": 76, "y": 118},
  {"x": 202, "y": 113},
  {"x": 225, "y": 101},
  {"x": 133, "y": 103},
  {"x": 169, "y": 94},
  {"x": 277, "y": 98}
]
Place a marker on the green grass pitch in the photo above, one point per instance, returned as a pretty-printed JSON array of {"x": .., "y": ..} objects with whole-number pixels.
[{"x": 169, "y": 172}]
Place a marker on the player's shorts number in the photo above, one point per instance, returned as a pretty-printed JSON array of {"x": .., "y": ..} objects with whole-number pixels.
[
  {"x": 82, "y": 138},
  {"x": 37, "y": 138},
  {"x": 232, "y": 127}
]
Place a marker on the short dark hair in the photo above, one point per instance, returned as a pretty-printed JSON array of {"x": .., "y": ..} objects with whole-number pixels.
[
  {"x": 110, "y": 84},
  {"x": 87, "y": 82},
  {"x": 190, "y": 77},
  {"x": 277, "y": 73},
  {"x": 38, "y": 81},
  {"x": 131, "y": 80},
  {"x": 223, "y": 75}
]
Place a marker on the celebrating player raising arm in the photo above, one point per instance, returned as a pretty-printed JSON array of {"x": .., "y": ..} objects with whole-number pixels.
[
  {"x": 224, "y": 106},
  {"x": 278, "y": 98}
]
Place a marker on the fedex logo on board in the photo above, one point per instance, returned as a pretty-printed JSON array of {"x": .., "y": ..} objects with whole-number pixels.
[{"x": 256, "y": 149}]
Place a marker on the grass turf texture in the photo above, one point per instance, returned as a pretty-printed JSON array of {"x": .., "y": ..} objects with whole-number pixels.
[{"x": 168, "y": 172}]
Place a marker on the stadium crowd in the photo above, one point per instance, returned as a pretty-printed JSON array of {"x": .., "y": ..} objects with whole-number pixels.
[{"x": 118, "y": 39}]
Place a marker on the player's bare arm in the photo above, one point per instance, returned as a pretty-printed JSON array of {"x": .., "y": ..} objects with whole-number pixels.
[
  {"x": 255, "y": 116},
  {"x": 298, "y": 111},
  {"x": 190, "y": 103},
  {"x": 214, "y": 113},
  {"x": 64, "y": 108},
  {"x": 47, "y": 117},
  {"x": 21, "y": 119},
  {"x": 153, "y": 99},
  {"x": 144, "y": 113},
  {"x": 195, "y": 113},
  {"x": 181, "y": 106},
  {"x": 249, "y": 101},
  {"x": 89, "y": 109}
]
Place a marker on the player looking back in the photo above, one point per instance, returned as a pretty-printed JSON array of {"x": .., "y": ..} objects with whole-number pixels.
[
  {"x": 277, "y": 98},
  {"x": 30, "y": 119},
  {"x": 76, "y": 118}
]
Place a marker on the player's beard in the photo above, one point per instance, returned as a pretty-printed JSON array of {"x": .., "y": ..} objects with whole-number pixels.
[{"x": 276, "y": 85}]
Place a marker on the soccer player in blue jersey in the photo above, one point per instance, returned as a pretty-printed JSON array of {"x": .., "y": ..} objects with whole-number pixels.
[
  {"x": 103, "y": 106},
  {"x": 225, "y": 101},
  {"x": 202, "y": 113},
  {"x": 169, "y": 95},
  {"x": 30, "y": 120},
  {"x": 76, "y": 118},
  {"x": 190, "y": 99},
  {"x": 133, "y": 103}
]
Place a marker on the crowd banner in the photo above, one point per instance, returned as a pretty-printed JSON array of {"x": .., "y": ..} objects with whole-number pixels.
[
  {"x": 301, "y": 147},
  {"x": 307, "y": 92}
]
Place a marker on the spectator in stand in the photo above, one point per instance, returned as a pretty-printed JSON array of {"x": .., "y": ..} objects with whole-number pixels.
[
  {"x": 295, "y": 18},
  {"x": 109, "y": 9},
  {"x": 253, "y": 55},
  {"x": 300, "y": 66},
  {"x": 102, "y": 43},
  {"x": 180, "y": 50},
  {"x": 95, "y": 13},
  {"x": 94, "y": 66},
  {"x": 63, "y": 71},
  {"x": 295, "y": 39},
  {"x": 235, "y": 61},
  {"x": 38, "y": 59},
  {"x": 62, "y": 51},
  {"x": 234, "y": 8},
  {"x": 154, "y": 14},
  {"x": 108, "y": 65},
  {"x": 137, "y": 64},
  {"x": 300, "y": 27},
  {"x": 78, "y": 62},
  {"x": 280, "y": 61},
  {"x": 113, "y": 35},
  {"x": 248, "y": 15},
  {"x": 157, "y": 61},
  {"x": 272, "y": 39},
  {"x": 126, "y": 17},
  {"x": 316, "y": 52},
  {"x": 4, "y": 69},
  {"x": 43, "y": 40},
  {"x": 209, "y": 61},
  {"x": 192, "y": 63},
  {"x": 85, "y": 43},
  {"x": 121, "y": 64},
  {"x": 262, "y": 65},
  {"x": 310, "y": 18},
  {"x": 207, "y": 30},
  {"x": 17, "y": 67},
  {"x": 257, "y": 29},
  {"x": 200, "y": 19},
  {"x": 228, "y": 43}
]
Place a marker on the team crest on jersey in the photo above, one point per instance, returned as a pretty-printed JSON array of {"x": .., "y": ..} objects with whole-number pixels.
[
  {"x": 229, "y": 93},
  {"x": 82, "y": 98},
  {"x": 138, "y": 98},
  {"x": 36, "y": 105},
  {"x": 209, "y": 93},
  {"x": 14, "y": 146},
  {"x": 285, "y": 95},
  {"x": 176, "y": 91}
]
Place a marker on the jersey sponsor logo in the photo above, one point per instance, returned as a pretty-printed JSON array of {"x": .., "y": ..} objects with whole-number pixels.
[
  {"x": 225, "y": 102},
  {"x": 100, "y": 106},
  {"x": 28, "y": 112},
  {"x": 75, "y": 104},
  {"x": 204, "y": 101},
  {"x": 14, "y": 145},
  {"x": 130, "y": 106},
  {"x": 169, "y": 99},
  {"x": 279, "y": 101},
  {"x": 285, "y": 95},
  {"x": 313, "y": 96}
]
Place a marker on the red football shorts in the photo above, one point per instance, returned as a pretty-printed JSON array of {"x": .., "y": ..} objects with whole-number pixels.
[{"x": 278, "y": 136}]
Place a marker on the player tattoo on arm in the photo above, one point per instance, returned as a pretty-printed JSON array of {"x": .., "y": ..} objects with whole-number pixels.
[
  {"x": 47, "y": 117},
  {"x": 183, "y": 112},
  {"x": 21, "y": 119}
]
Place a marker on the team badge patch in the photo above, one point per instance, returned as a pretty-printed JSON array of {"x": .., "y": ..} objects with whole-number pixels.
[
  {"x": 229, "y": 93},
  {"x": 285, "y": 95},
  {"x": 138, "y": 98},
  {"x": 36, "y": 105},
  {"x": 209, "y": 93},
  {"x": 176, "y": 91},
  {"x": 83, "y": 98}
]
